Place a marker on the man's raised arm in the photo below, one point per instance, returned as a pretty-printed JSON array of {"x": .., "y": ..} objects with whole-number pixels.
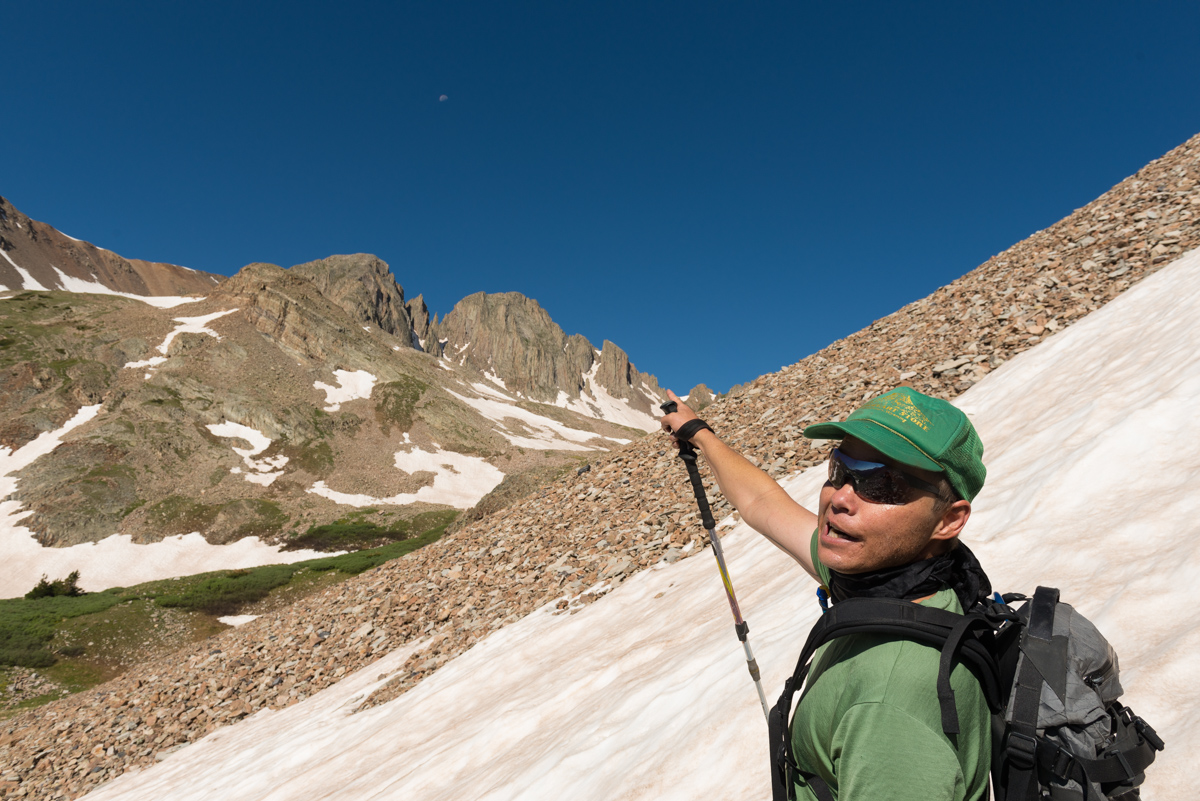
[{"x": 763, "y": 504}]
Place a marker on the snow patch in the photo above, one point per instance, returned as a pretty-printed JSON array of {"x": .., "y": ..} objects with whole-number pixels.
[
  {"x": 548, "y": 434},
  {"x": 264, "y": 471},
  {"x": 187, "y": 325},
  {"x": 27, "y": 280},
  {"x": 237, "y": 620},
  {"x": 352, "y": 385},
  {"x": 458, "y": 480}
]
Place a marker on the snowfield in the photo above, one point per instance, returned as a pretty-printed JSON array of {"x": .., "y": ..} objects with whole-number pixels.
[
  {"x": 114, "y": 561},
  {"x": 458, "y": 480},
  {"x": 604, "y": 405},
  {"x": 644, "y": 694},
  {"x": 262, "y": 471},
  {"x": 351, "y": 385},
  {"x": 72, "y": 284},
  {"x": 187, "y": 325}
]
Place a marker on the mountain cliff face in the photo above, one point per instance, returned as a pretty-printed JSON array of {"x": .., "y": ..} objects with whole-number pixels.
[
  {"x": 364, "y": 287},
  {"x": 512, "y": 339},
  {"x": 35, "y": 256}
]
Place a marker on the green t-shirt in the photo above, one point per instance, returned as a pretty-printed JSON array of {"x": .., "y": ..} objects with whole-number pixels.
[{"x": 871, "y": 726}]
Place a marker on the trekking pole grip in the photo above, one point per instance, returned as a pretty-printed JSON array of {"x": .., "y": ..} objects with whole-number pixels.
[{"x": 687, "y": 452}]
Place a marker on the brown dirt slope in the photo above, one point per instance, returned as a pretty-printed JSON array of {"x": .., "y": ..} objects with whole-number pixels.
[{"x": 629, "y": 511}]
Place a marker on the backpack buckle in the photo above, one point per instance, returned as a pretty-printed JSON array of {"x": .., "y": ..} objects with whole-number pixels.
[
  {"x": 1148, "y": 733},
  {"x": 1021, "y": 750},
  {"x": 1063, "y": 761}
]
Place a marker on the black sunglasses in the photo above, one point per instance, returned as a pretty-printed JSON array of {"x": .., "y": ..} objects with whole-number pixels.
[{"x": 875, "y": 482}]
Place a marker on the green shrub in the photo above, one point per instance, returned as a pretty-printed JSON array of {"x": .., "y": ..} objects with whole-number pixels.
[{"x": 59, "y": 587}]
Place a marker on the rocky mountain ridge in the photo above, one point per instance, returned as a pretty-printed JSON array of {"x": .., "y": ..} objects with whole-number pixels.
[
  {"x": 631, "y": 509},
  {"x": 512, "y": 339},
  {"x": 315, "y": 363},
  {"x": 505, "y": 336},
  {"x": 34, "y": 255}
]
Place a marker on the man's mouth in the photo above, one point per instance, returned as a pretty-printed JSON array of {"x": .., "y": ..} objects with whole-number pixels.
[{"x": 838, "y": 534}]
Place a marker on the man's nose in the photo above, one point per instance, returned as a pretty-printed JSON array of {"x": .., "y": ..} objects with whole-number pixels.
[{"x": 844, "y": 497}]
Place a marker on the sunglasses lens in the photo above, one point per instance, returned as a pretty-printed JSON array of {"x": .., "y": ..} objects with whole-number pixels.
[{"x": 873, "y": 482}]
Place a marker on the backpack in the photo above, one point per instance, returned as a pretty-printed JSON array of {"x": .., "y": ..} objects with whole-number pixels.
[{"x": 1050, "y": 680}]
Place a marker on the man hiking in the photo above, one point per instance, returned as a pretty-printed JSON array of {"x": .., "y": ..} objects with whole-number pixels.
[{"x": 901, "y": 482}]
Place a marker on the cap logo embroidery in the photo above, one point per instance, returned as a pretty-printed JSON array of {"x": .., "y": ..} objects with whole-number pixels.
[{"x": 900, "y": 406}]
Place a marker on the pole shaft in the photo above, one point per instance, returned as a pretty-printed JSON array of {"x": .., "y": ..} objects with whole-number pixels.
[{"x": 688, "y": 454}]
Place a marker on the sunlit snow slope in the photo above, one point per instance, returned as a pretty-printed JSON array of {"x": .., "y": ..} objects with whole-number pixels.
[{"x": 1093, "y": 486}]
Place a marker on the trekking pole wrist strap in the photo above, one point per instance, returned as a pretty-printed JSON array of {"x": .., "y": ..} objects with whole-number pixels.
[{"x": 692, "y": 427}]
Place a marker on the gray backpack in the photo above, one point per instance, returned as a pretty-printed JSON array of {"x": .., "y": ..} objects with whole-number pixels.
[
  {"x": 1050, "y": 679},
  {"x": 1064, "y": 735}
]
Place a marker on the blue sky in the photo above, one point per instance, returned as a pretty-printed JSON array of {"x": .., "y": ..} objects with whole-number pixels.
[{"x": 719, "y": 188}]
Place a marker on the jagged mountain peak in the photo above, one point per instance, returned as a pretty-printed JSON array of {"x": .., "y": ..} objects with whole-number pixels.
[
  {"x": 511, "y": 338},
  {"x": 364, "y": 286}
]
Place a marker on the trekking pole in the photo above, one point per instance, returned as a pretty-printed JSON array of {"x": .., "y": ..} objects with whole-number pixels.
[{"x": 688, "y": 454}]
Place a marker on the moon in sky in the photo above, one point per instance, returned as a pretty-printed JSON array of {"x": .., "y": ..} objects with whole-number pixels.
[{"x": 443, "y": 98}]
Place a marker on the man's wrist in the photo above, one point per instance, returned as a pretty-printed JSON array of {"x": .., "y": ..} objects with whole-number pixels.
[{"x": 692, "y": 427}]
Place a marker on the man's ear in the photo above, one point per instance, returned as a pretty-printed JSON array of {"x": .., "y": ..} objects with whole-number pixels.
[{"x": 951, "y": 523}]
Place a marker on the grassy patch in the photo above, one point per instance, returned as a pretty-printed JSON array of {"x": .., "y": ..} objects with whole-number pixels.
[
  {"x": 397, "y": 400},
  {"x": 225, "y": 592},
  {"x": 176, "y": 514},
  {"x": 353, "y": 533},
  {"x": 82, "y": 640},
  {"x": 361, "y": 561},
  {"x": 27, "y": 626}
]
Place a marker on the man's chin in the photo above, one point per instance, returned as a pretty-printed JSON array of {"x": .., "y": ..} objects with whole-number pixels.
[{"x": 841, "y": 558}]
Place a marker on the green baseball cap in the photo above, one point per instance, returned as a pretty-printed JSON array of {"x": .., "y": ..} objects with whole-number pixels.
[{"x": 918, "y": 431}]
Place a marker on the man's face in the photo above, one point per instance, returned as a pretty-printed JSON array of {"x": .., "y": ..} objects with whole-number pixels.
[{"x": 855, "y": 536}]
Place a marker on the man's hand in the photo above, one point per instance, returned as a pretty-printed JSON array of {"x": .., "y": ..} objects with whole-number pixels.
[
  {"x": 762, "y": 503},
  {"x": 672, "y": 422}
]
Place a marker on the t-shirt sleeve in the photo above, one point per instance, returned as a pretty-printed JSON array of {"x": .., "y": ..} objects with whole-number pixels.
[
  {"x": 882, "y": 752},
  {"x": 822, "y": 571}
]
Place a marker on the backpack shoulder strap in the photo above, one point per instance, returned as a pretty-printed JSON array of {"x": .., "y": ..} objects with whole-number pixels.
[{"x": 1021, "y": 745}]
